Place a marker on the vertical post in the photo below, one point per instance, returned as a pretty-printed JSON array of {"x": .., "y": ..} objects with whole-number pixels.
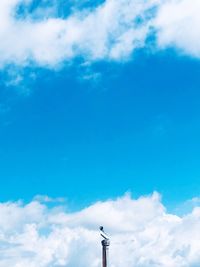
[{"x": 105, "y": 248}]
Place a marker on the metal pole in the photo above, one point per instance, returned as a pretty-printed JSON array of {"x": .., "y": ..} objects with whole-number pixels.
[{"x": 105, "y": 247}]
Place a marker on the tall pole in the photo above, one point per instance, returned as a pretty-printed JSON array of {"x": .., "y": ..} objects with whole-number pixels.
[{"x": 105, "y": 247}]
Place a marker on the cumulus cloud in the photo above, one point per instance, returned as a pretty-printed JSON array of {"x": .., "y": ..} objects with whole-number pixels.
[
  {"x": 177, "y": 23},
  {"x": 50, "y": 33},
  {"x": 142, "y": 234},
  {"x": 109, "y": 31}
]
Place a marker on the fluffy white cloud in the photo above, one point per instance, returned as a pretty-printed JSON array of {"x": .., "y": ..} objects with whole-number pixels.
[
  {"x": 177, "y": 23},
  {"x": 111, "y": 30},
  {"x": 142, "y": 234}
]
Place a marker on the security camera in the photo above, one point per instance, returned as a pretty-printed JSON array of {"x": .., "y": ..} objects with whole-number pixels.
[{"x": 102, "y": 233}]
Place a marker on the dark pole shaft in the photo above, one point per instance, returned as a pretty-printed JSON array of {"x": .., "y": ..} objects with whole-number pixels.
[{"x": 105, "y": 249}]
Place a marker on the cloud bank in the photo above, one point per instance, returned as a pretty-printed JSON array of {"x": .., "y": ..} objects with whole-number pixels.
[
  {"x": 38, "y": 34},
  {"x": 142, "y": 234}
]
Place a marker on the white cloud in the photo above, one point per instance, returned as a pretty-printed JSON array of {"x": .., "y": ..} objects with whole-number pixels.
[
  {"x": 108, "y": 32},
  {"x": 178, "y": 23},
  {"x": 112, "y": 30},
  {"x": 142, "y": 234}
]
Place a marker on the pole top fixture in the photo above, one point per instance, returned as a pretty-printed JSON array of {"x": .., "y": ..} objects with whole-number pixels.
[{"x": 103, "y": 234}]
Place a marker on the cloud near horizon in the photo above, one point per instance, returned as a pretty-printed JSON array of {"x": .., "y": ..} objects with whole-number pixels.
[
  {"x": 112, "y": 30},
  {"x": 143, "y": 234}
]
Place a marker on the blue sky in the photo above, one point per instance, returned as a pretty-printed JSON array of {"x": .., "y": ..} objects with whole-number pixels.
[
  {"x": 99, "y": 125},
  {"x": 135, "y": 129},
  {"x": 95, "y": 122}
]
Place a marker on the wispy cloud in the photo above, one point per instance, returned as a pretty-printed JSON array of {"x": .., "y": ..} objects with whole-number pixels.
[{"x": 142, "y": 234}]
